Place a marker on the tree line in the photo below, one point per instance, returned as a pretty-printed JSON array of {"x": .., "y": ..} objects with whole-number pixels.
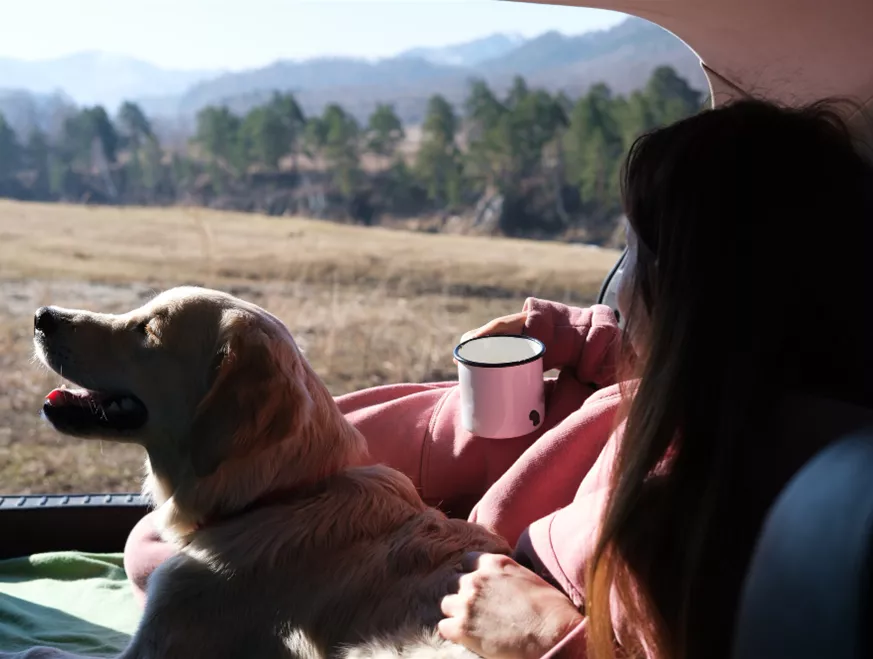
[{"x": 525, "y": 162}]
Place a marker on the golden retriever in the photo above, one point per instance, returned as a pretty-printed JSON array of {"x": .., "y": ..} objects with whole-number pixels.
[{"x": 291, "y": 544}]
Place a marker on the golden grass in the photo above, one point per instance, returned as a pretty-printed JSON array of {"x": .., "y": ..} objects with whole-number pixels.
[{"x": 369, "y": 306}]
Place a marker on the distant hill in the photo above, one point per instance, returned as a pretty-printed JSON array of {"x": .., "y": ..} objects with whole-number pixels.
[
  {"x": 470, "y": 53},
  {"x": 623, "y": 57},
  {"x": 90, "y": 78},
  {"x": 554, "y": 50},
  {"x": 318, "y": 75}
]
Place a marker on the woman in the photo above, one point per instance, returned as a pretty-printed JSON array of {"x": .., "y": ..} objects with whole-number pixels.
[
  {"x": 718, "y": 204},
  {"x": 640, "y": 539}
]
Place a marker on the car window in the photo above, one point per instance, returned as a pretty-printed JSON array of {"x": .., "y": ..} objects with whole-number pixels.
[{"x": 382, "y": 176}]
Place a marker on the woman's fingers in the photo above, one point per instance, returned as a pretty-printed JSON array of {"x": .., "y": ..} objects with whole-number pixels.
[
  {"x": 451, "y": 629},
  {"x": 502, "y": 610},
  {"x": 512, "y": 324},
  {"x": 489, "y": 328},
  {"x": 452, "y": 605}
]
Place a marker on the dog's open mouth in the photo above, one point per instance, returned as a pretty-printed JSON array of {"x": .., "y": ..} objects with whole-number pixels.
[{"x": 82, "y": 411}]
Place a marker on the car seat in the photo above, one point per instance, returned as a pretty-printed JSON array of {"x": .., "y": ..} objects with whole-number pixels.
[{"x": 808, "y": 589}]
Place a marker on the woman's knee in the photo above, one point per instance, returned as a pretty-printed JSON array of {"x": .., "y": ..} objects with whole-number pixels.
[{"x": 143, "y": 553}]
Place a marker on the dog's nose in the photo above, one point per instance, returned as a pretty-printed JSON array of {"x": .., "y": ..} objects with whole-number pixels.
[{"x": 44, "y": 320}]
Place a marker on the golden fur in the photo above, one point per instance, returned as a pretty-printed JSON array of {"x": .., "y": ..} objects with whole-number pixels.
[{"x": 341, "y": 557}]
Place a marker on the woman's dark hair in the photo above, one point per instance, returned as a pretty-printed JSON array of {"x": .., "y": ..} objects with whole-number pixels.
[{"x": 752, "y": 282}]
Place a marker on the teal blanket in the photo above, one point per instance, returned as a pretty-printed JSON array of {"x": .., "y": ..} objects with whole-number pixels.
[{"x": 77, "y": 602}]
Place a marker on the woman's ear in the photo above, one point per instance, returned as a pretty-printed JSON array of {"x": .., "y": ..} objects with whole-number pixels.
[{"x": 257, "y": 398}]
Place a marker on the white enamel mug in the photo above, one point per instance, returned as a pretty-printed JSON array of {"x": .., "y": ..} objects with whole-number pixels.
[{"x": 502, "y": 389}]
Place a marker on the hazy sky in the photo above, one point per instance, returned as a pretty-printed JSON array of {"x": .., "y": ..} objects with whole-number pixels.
[{"x": 233, "y": 34}]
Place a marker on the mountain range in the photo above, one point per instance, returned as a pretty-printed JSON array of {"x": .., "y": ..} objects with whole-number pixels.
[
  {"x": 92, "y": 78},
  {"x": 470, "y": 53},
  {"x": 622, "y": 56}
]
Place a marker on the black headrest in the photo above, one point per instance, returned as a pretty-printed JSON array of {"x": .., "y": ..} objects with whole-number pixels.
[{"x": 807, "y": 592}]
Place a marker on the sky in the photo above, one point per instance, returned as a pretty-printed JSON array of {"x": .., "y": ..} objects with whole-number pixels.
[{"x": 238, "y": 34}]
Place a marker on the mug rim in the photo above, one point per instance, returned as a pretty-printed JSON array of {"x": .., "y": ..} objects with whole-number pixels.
[{"x": 520, "y": 362}]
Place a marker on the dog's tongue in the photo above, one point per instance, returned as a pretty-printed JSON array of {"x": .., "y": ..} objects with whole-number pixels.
[
  {"x": 83, "y": 410},
  {"x": 63, "y": 396}
]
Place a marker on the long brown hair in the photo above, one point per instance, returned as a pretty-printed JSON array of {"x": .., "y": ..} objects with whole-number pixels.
[{"x": 753, "y": 224}]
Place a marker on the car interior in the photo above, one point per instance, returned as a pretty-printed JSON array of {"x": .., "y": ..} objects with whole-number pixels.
[{"x": 808, "y": 591}]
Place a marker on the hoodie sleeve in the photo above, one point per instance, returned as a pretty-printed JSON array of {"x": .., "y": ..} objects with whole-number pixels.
[
  {"x": 396, "y": 421},
  {"x": 584, "y": 340},
  {"x": 417, "y": 429}
]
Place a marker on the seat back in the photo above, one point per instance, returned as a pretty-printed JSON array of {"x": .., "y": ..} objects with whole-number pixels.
[{"x": 808, "y": 590}]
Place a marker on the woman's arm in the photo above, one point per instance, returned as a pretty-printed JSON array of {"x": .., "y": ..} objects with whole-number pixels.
[
  {"x": 582, "y": 339},
  {"x": 417, "y": 429}
]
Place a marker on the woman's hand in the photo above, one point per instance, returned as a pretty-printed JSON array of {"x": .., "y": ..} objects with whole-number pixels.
[
  {"x": 511, "y": 324},
  {"x": 504, "y": 611}
]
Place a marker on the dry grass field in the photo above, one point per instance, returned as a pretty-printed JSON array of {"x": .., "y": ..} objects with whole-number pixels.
[{"x": 369, "y": 306}]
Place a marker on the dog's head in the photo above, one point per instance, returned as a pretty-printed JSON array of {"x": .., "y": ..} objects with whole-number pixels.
[{"x": 199, "y": 378}]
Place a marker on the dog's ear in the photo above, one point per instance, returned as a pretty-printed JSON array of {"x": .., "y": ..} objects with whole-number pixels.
[{"x": 257, "y": 397}]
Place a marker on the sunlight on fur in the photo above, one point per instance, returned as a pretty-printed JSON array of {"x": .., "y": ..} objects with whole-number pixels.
[{"x": 266, "y": 491}]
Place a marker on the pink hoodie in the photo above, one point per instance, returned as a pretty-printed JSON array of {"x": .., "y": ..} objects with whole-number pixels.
[{"x": 542, "y": 492}]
